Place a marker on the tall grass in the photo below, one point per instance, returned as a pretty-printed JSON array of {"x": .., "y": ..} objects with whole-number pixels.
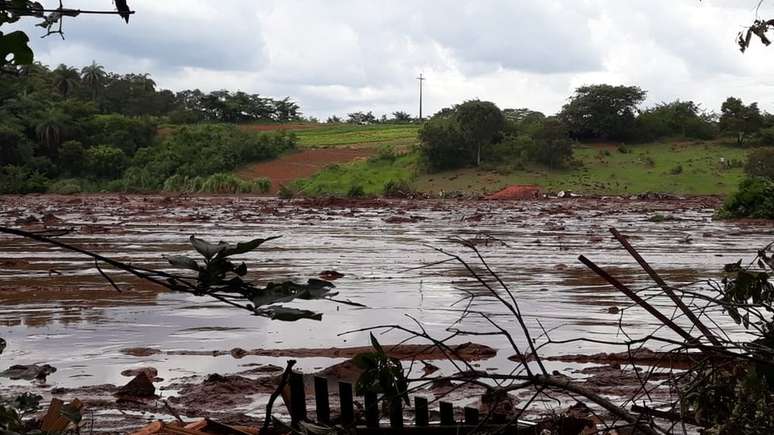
[{"x": 220, "y": 183}]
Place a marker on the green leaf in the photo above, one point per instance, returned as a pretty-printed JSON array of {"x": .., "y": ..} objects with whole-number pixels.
[
  {"x": 207, "y": 249},
  {"x": 376, "y": 345},
  {"x": 183, "y": 262},
  {"x": 242, "y": 248},
  {"x": 15, "y": 44}
]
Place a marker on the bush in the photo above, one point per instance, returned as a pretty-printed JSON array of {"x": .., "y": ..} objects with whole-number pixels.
[
  {"x": 123, "y": 132},
  {"x": 355, "y": 191},
  {"x": 766, "y": 136},
  {"x": 442, "y": 145},
  {"x": 754, "y": 199},
  {"x": 208, "y": 149},
  {"x": 105, "y": 161},
  {"x": 287, "y": 192},
  {"x": 397, "y": 189},
  {"x": 18, "y": 179},
  {"x": 15, "y": 148},
  {"x": 677, "y": 170},
  {"x": 760, "y": 163},
  {"x": 68, "y": 186},
  {"x": 71, "y": 157},
  {"x": 223, "y": 183}
]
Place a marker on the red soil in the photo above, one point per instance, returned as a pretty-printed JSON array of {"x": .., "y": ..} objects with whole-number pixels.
[
  {"x": 517, "y": 191},
  {"x": 301, "y": 164}
]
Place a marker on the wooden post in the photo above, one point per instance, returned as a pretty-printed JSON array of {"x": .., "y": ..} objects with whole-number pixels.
[
  {"x": 345, "y": 403},
  {"x": 421, "y": 411},
  {"x": 371, "y": 404},
  {"x": 447, "y": 414},
  {"x": 471, "y": 416},
  {"x": 297, "y": 398},
  {"x": 396, "y": 413},
  {"x": 321, "y": 401}
]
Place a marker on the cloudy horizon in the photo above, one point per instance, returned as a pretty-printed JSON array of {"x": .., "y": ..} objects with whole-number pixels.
[{"x": 342, "y": 56}]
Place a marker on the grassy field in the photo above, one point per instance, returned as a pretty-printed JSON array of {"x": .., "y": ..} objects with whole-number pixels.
[
  {"x": 673, "y": 167},
  {"x": 345, "y": 135}
]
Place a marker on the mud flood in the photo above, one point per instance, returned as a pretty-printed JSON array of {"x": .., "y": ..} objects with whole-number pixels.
[{"x": 57, "y": 310}]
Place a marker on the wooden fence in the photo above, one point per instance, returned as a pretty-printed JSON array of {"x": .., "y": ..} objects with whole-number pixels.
[{"x": 447, "y": 424}]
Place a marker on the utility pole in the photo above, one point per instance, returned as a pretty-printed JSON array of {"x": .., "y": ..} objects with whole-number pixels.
[{"x": 421, "y": 79}]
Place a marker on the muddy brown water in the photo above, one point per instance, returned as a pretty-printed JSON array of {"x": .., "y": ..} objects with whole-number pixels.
[{"x": 56, "y": 309}]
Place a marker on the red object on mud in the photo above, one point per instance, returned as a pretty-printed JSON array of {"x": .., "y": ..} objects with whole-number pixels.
[{"x": 517, "y": 191}]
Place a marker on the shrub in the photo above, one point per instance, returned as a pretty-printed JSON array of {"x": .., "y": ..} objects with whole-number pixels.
[
  {"x": 69, "y": 186},
  {"x": 766, "y": 136},
  {"x": 754, "y": 199},
  {"x": 19, "y": 179},
  {"x": 123, "y": 132},
  {"x": 355, "y": 191},
  {"x": 442, "y": 145},
  {"x": 677, "y": 170},
  {"x": 105, "y": 161},
  {"x": 760, "y": 163},
  {"x": 397, "y": 189},
  {"x": 287, "y": 192},
  {"x": 224, "y": 183},
  {"x": 71, "y": 157}
]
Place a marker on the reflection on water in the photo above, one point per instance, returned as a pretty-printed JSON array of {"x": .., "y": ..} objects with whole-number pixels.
[{"x": 58, "y": 310}]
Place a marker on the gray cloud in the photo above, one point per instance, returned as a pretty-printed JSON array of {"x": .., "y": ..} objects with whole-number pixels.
[{"x": 345, "y": 55}]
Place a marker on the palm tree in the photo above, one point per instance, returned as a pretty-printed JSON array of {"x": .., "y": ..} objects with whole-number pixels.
[
  {"x": 94, "y": 77},
  {"x": 66, "y": 79},
  {"x": 50, "y": 130}
]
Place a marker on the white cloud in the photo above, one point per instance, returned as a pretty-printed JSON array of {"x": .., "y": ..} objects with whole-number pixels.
[{"x": 337, "y": 56}]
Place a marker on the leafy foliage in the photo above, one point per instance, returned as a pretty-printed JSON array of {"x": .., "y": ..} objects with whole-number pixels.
[
  {"x": 602, "y": 111},
  {"x": 739, "y": 119},
  {"x": 217, "y": 274},
  {"x": 754, "y": 199},
  {"x": 382, "y": 374},
  {"x": 760, "y": 163}
]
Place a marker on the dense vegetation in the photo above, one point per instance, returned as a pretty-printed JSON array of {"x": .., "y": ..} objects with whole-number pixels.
[{"x": 67, "y": 130}]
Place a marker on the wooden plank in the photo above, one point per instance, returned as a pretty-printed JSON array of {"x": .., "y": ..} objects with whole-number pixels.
[
  {"x": 297, "y": 398},
  {"x": 322, "y": 404},
  {"x": 345, "y": 403},
  {"x": 54, "y": 421},
  {"x": 447, "y": 413},
  {"x": 471, "y": 416},
  {"x": 396, "y": 413},
  {"x": 421, "y": 412},
  {"x": 371, "y": 404}
]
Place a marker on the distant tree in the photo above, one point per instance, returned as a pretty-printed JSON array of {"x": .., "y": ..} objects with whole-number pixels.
[
  {"x": 401, "y": 116},
  {"x": 94, "y": 77},
  {"x": 286, "y": 110},
  {"x": 740, "y": 120},
  {"x": 480, "y": 122},
  {"x": 66, "y": 80},
  {"x": 442, "y": 145},
  {"x": 51, "y": 129},
  {"x": 554, "y": 146},
  {"x": 105, "y": 161},
  {"x": 15, "y": 149},
  {"x": 333, "y": 119},
  {"x": 602, "y": 111},
  {"x": 72, "y": 157},
  {"x": 522, "y": 121},
  {"x": 361, "y": 118},
  {"x": 678, "y": 118}
]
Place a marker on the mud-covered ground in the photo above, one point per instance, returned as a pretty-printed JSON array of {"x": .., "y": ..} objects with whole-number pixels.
[{"x": 57, "y": 310}]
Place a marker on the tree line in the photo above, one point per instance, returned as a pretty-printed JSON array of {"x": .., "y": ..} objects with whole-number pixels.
[
  {"x": 93, "y": 126},
  {"x": 476, "y": 132}
]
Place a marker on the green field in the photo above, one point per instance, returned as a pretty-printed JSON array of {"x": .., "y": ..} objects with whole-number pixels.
[
  {"x": 671, "y": 167},
  {"x": 345, "y": 135}
]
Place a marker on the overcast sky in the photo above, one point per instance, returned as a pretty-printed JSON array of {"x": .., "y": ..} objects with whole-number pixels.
[{"x": 338, "y": 56}]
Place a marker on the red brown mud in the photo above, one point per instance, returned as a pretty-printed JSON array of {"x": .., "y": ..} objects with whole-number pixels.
[
  {"x": 517, "y": 191},
  {"x": 641, "y": 357},
  {"x": 466, "y": 351},
  {"x": 301, "y": 164}
]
